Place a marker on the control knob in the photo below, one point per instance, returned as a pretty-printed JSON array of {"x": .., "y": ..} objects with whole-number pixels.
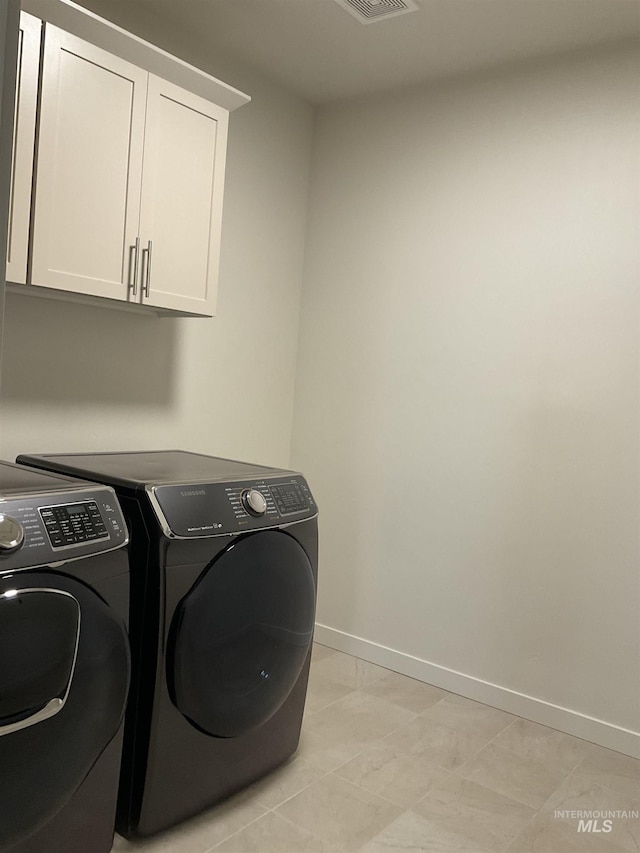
[
  {"x": 11, "y": 534},
  {"x": 254, "y": 502}
]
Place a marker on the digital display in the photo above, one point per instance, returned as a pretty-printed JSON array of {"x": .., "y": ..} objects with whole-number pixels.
[{"x": 78, "y": 509}]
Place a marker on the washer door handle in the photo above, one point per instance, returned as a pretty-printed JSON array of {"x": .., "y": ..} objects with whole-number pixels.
[
  {"x": 49, "y": 709},
  {"x": 53, "y": 706}
]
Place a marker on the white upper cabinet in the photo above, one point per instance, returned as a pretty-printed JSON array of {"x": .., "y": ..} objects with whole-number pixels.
[
  {"x": 129, "y": 169},
  {"x": 181, "y": 200},
  {"x": 23, "y": 145},
  {"x": 89, "y": 168}
]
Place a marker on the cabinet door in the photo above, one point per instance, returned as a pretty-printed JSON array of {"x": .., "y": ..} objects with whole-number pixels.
[
  {"x": 181, "y": 208},
  {"x": 23, "y": 144},
  {"x": 89, "y": 167}
]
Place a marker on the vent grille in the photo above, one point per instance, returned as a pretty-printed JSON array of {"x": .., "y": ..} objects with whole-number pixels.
[{"x": 370, "y": 11}]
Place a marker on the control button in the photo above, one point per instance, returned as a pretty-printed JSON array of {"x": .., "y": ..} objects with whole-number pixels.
[
  {"x": 11, "y": 534},
  {"x": 254, "y": 502}
]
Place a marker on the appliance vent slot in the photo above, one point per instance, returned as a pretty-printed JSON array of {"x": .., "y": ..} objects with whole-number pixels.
[{"x": 370, "y": 11}]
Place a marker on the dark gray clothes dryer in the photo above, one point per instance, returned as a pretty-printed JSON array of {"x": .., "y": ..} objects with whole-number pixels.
[
  {"x": 64, "y": 661},
  {"x": 223, "y": 559}
]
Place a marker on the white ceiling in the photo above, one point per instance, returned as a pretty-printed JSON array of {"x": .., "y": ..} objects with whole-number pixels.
[{"x": 318, "y": 50}]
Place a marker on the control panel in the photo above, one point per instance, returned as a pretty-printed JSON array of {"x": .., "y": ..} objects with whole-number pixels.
[
  {"x": 215, "y": 509},
  {"x": 38, "y": 530},
  {"x": 69, "y": 524},
  {"x": 289, "y": 498}
]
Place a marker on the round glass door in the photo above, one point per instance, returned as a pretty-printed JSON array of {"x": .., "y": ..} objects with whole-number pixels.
[
  {"x": 241, "y": 635},
  {"x": 64, "y": 677}
]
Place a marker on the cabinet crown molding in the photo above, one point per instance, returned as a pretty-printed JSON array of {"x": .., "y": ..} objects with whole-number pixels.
[{"x": 87, "y": 25}]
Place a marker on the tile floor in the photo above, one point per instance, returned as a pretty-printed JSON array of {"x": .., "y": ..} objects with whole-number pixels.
[{"x": 389, "y": 764}]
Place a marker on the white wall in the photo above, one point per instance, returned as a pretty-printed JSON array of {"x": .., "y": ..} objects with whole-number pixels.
[
  {"x": 9, "y": 16},
  {"x": 82, "y": 378},
  {"x": 467, "y": 391}
]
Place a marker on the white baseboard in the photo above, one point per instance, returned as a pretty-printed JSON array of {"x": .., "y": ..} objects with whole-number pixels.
[{"x": 554, "y": 716}]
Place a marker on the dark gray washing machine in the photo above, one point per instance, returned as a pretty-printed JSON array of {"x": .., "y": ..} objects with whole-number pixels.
[
  {"x": 64, "y": 661},
  {"x": 223, "y": 558}
]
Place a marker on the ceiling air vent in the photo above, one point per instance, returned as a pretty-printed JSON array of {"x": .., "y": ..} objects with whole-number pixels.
[{"x": 370, "y": 11}]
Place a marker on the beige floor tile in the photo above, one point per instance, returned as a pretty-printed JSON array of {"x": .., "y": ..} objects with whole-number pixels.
[
  {"x": 403, "y": 779},
  {"x": 412, "y": 833},
  {"x": 288, "y": 780},
  {"x": 549, "y": 747},
  {"x": 323, "y": 691},
  {"x": 582, "y": 792},
  {"x": 324, "y": 752},
  {"x": 624, "y": 833},
  {"x": 272, "y": 834},
  {"x": 343, "y": 815},
  {"x": 413, "y": 695},
  {"x": 436, "y": 742},
  {"x": 608, "y": 761},
  {"x": 349, "y": 671},
  {"x": 339, "y": 736},
  {"x": 203, "y": 832},
  {"x": 589, "y": 791},
  {"x": 522, "y": 779},
  {"x": 319, "y": 652},
  {"x": 474, "y": 813},
  {"x": 547, "y": 835},
  {"x": 465, "y": 715},
  {"x": 359, "y": 719}
]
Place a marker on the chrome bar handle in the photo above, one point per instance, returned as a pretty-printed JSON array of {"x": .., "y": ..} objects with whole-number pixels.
[
  {"x": 146, "y": 287},
  {"x": 133, "y": 285}
]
